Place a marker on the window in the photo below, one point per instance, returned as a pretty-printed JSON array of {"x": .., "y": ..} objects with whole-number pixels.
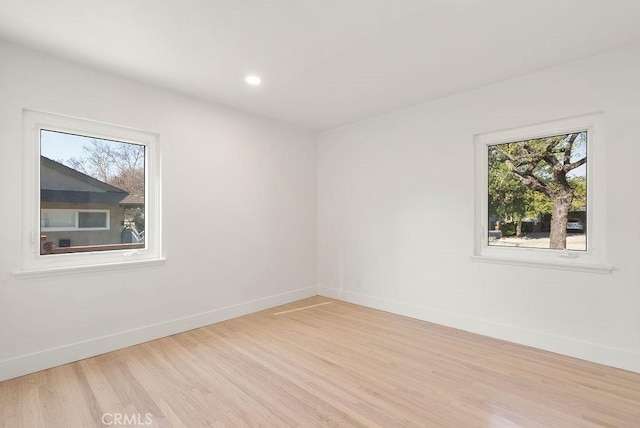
[
  {"x": 89, "y": 220},
  {"x": 58, "y": 220},
  {"x": 91, "y": 195},
  {"x": 534, "y": 186},
  {"x": 538, "y": 196},
  {"x": 67, "y": 220}
]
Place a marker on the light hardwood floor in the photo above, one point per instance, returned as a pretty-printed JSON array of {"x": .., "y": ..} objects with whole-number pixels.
[{"x": 332, "y": 364}]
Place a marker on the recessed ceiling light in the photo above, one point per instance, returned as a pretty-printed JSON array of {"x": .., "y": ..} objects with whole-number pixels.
[{"x": 253, "y": 80}]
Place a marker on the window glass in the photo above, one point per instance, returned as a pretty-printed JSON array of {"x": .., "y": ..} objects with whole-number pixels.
[
  {"x": 91, "y": 219},
  {"x": 91, "y": 193},
  {"x": 57, "y": 219},
  {"x": 537, "y": 193}
]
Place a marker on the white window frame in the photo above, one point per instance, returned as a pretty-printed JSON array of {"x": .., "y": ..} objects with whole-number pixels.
[
  {"x": 591, "y": 260},
  {"x": 33, "y": 264},
  {"x": 77, "y": 227}
]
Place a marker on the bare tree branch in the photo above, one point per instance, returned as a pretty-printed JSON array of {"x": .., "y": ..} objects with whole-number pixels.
[
  {"x": 504, "y": 153},
  {"x": 569, "y": 149},
  {"x": 549, "y": 155},
  {"x": 530, "y": 180},
  {"x": 575, "y": 164}
]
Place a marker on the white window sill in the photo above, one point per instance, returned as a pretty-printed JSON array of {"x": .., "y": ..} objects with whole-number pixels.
[
  {"x": 579, "y": 267},
  {"x": 42, "y": 273}
]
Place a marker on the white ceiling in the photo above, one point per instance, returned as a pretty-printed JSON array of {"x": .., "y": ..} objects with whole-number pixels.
[{"x": 324, "y": 63}]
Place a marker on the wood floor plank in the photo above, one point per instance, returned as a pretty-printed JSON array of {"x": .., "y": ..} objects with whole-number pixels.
[{"x": 320, "y": 362}]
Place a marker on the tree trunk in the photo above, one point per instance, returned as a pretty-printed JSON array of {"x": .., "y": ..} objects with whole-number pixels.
[
  {"x": 519, "y": 228},
  {"x": 561, "y": 207}
]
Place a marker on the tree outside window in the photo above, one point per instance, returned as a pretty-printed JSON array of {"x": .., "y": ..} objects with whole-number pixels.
[{"x": 537, "y": 192}]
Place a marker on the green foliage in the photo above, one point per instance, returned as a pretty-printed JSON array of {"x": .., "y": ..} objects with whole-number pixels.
[
  {"x": 506, "y": 192},
  {"x": 508, "y": 229},
  {"x": 579, "y": 186},
  {"x": 521, "y": 176},
  {"x": 510, "y": 199},
  {"x": 135, "y": 217},
  {"x": 539, "y": 203}
]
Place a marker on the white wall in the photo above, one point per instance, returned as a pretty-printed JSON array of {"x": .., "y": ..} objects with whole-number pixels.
[
  {"x": 239, "y": 196},
  {"x": 396, "y": 203}
]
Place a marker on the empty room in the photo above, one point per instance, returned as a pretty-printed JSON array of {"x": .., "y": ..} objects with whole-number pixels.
[{"x": 304, "y": 213}]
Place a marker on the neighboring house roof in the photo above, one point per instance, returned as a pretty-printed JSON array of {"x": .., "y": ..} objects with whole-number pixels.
[
  {"x": 133, "y": 200},
  {"x": 59, "y": 183}
]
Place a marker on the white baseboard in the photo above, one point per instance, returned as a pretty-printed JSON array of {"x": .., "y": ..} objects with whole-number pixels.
[
  {"x": 48, "y": 358},
  {"x": 602, "y": 354}
]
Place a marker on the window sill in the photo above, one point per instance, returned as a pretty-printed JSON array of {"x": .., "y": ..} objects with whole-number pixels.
[
  {"x": 42, "y": 273},
  {"x": 579, "y": 267}
]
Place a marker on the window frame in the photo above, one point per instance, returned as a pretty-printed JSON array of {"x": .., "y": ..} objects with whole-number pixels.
[
  {"x": 33, "y": 264},
  {"x": 591, "y": 260}
]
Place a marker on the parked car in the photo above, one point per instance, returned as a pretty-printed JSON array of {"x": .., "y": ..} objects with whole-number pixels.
[{"x": 575, "y": 225}]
